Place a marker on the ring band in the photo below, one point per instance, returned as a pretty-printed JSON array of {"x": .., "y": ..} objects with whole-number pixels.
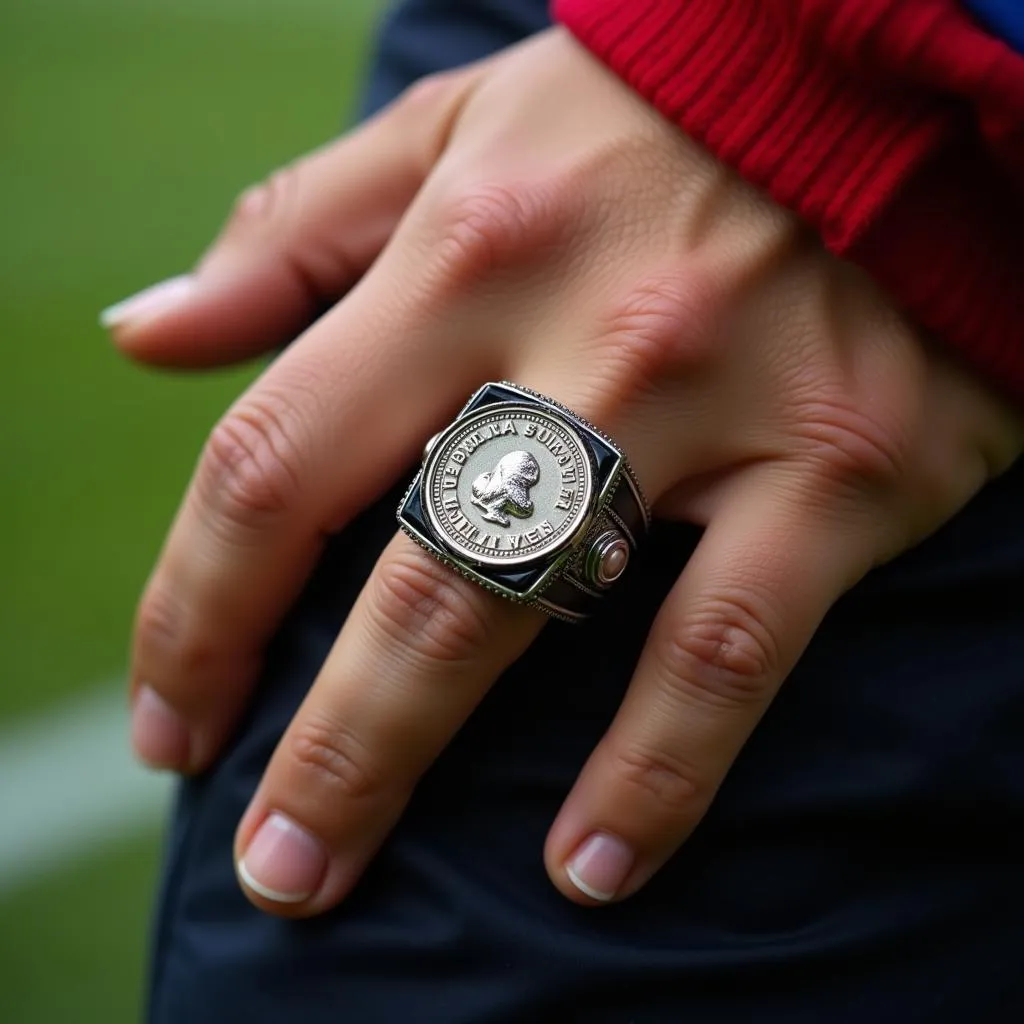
[{"x": 525, "y": 498}]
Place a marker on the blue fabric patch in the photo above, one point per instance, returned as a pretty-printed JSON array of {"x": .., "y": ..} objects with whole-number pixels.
[{"x": 1005, "y": 18}]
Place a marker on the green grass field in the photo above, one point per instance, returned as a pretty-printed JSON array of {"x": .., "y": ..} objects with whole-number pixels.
[{"x": 127, "y": 128}]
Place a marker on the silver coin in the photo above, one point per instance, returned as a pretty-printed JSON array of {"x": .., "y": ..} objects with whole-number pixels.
[{"x": 508, "y": 485}]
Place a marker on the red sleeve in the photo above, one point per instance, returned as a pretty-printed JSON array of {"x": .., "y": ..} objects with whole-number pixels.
[{"x": 895, "y": 127}]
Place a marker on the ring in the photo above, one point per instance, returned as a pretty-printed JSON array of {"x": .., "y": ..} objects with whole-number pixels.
[{"x": 525, "y": 498}]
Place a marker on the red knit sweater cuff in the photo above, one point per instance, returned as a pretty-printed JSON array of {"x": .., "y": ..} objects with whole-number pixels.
[{"x": 886, "y": 173}]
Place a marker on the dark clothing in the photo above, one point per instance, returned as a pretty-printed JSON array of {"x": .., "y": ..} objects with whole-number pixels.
[
  {"x": 863, "y": 863},
  {"x": 1003, "y": 17}
]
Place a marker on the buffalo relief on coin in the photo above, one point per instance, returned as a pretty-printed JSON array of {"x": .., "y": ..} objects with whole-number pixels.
[
  {"x": 506, "y": 489},
  {"x": 507, "y": 485}
]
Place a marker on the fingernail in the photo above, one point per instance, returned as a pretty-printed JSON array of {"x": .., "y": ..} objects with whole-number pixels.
[
  {"x": 159, "y": 734},
  {"x": 283, "y": 862},
  {"x": 599, "y": 866},
  {"x": 147, "y": 303}
]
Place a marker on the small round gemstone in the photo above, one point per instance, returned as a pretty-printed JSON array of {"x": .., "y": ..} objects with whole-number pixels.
[
  {"x": 613, "y": 563},
  {"x": 606, "y": 558}
]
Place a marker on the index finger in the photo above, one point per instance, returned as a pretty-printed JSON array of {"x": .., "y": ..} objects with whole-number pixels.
[{"x": 303, "y": 451}]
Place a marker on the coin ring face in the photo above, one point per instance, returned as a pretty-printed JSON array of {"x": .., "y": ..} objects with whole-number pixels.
[{"x": 508, "y": 485}]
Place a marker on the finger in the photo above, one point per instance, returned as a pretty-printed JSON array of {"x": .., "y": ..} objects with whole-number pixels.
[
  {"x": 418, "y": 651},
  {"x": 321, "y": 434},
  {"x": 295, "y": 243},
  {"x": 767, "y": 569},
  {"x": 420, "y": 648}
]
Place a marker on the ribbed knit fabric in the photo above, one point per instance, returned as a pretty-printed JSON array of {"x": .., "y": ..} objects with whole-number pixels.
[{"x": 895, "y": 127}]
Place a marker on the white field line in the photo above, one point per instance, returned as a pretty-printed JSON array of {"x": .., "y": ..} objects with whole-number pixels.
[{"x": 69, "y": 787}]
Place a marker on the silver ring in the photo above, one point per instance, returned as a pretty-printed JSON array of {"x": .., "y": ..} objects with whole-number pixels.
[{"x": 524, "y": 497}]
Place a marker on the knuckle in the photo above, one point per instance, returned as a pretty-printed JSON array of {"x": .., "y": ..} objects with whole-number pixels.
[
  {"x": 248, "y": 472},
  {"x": 723, "y": 657},
  {"x": 661, "y": 323},
  {"x": 431, "y": 613},
  {"x": 267, "y": 204},
  {"x": 675, "y": 785},
  {"x": 477, "y": 230},
  {"x": 159, "y": 621},
  {"x": 851, "y": 447},
  {"x": 165, "y": 632},
  {"x": 332, "y": 756},
  {"x": 658, "y": 328}
]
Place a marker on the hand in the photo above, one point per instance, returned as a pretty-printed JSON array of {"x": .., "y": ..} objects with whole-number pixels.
[{"x": 527, "y": 218}]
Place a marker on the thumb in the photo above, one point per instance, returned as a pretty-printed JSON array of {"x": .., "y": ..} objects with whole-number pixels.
[{"x": 295, "y": 243}]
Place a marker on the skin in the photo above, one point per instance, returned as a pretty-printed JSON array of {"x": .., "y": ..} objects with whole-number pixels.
[{"x": 530, "y": 218}]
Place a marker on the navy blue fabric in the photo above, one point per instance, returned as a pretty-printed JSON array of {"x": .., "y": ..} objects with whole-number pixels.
[
  {"x": 1005, "y": 18},
  {"x": 864, "y": 861},
  {"x": 422, "y": 36}
]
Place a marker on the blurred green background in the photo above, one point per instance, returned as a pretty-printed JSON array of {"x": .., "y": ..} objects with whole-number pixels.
[{"x": 126, "y": 129}]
